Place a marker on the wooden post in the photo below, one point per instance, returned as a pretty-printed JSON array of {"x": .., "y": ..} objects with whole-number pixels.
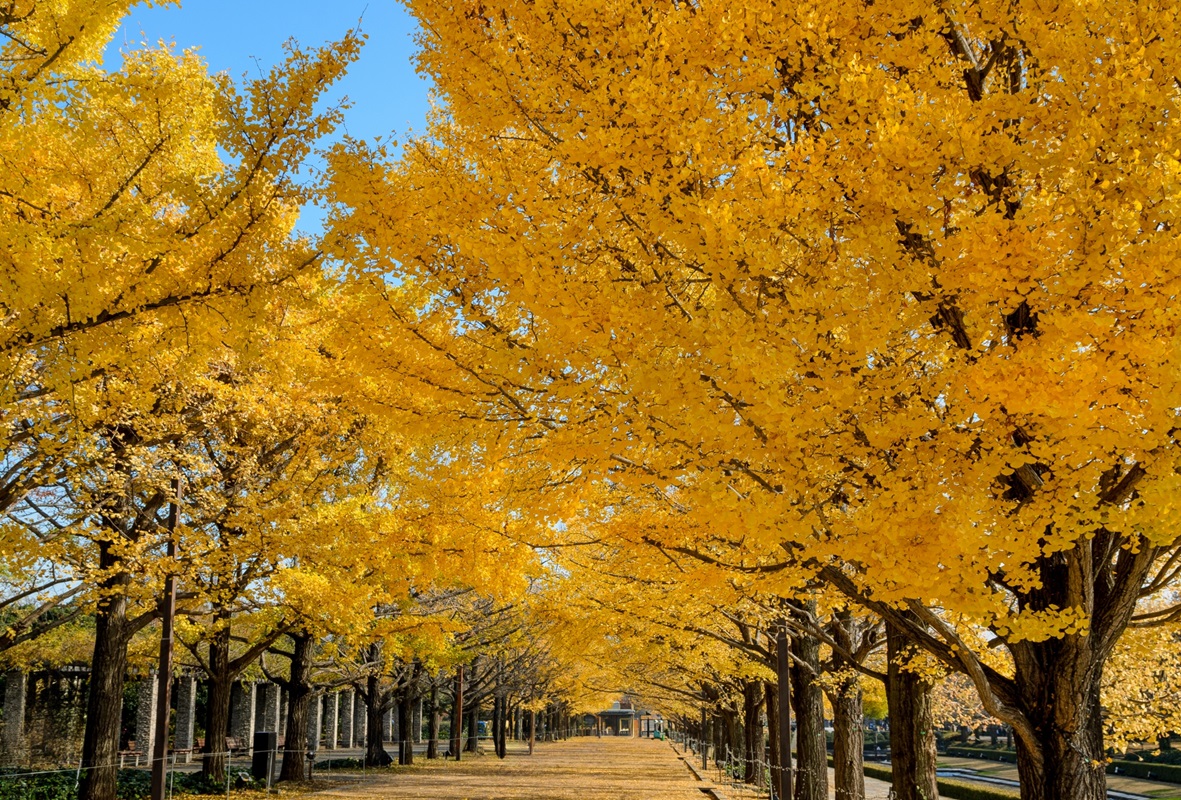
[
  {"x": 783, "y": 678},
  {"x": 704, "y": 746},
  {"x": 164, "y": 693}
]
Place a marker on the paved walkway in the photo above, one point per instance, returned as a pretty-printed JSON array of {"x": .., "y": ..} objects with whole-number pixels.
[
  {"x": 579, "y": 769},
  {"x": 874, "y": 790}
]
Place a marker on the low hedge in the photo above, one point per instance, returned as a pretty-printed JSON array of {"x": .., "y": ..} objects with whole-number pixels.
[
  {"x": 953, "y": 789},
  {"x": 1007, "y": 756},
  {"x": 1168, "y": 773},
  {"x": 962, "y": 790}
]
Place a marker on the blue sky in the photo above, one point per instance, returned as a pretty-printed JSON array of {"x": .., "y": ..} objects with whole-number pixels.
[{"x": 387, "y": 96}]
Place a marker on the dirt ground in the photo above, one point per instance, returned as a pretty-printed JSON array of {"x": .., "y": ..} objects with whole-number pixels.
[{"x": 579, "y": 769}]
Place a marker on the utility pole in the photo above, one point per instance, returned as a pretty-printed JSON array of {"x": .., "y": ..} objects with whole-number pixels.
[
  {"x": 783, "y": 678},
  {"x": 704, "y": 746},
  {"x": 164, "y": 692}
]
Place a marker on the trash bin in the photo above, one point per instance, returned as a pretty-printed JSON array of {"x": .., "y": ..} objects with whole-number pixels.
[{"x": 262, "y": 765}]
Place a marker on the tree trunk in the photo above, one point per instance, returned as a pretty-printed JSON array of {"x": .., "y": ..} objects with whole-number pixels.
[
  {"x": 299, "y": 696},
  {"x": 504, "y": 723},
  {"x": 104, "y": 706},
  {"x": 375, "y": 753},
  {"x": 808, "y": 702},
  {"x": 912, "y": 729},
  {"x": 217, "y": 706},
  {"x": 731, "y": 733},
  {"x": 1059, "y": 684},
  {"x": 752, "y": 731},
  {"x": 771, "y": 699},
  {"x": 432, "y": 736},
  {"x": 457, "y": 715},
  {"x": 848, "y": 752},
  {"x": 405, "y": 723},
  {"x": 473, "y": 728},
  {"x": 497, "y": 724}
]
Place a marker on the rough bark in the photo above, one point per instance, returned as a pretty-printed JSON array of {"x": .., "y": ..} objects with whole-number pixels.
[
  {"x": 299, "y": 696},
  {"x": 456, "y": 746},
  {"x": 808, "y": 704},
  {"x": 730, "y": 733},
  {"x": 104, "y": 706},
  {"x": 498, "y": 725},
  {"x": 473, "y": 729},
  {"x": 504, "y": 727},
  {"x": 405, "y": 723},
  {"x": 752, "y": 731},
  {"x": 217, "y": 706},
  {"x": 912, "y": 730},
  {"x": 375, "y": 752},
  {"x": 473, "y": 710},
  {"x": 1059, "y": 684},
  {"x": 771, "y": 700},
  {"x": 848, "y": 754},
  {"x": 432, "y": 743}
]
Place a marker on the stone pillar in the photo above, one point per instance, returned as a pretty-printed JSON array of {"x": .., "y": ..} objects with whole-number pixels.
[
  {"x": 387, "y": 726},
  {"x": 145, "y": 720},
  {"x": 360, "y": 720},
  {"x": 186, "y": 715},
  {"x": 269, "y": 711},
  {"x": 315, "y": 721},
  {"x": 344, "y": 719},
  {"x": 417, "y": 737},
  {"x": 16, "y": 688},
  {"x": 282, "y": 711},
  {"x": 331, "y": 723},
  {"x": 243, "y": 699},
  {"x": 68, "y": 718}
]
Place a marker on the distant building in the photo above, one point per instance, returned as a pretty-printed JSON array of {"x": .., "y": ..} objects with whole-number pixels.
[
  {"x": 619, "y": 720},
  {"x": 652, "y": 725},
  {"x": 624, "y": 719}
]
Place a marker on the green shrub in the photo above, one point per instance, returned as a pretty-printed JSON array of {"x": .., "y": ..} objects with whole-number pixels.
[
  {"x": 1163, "y": 756},
  {"x": 879, "y": 772},
  {"x": 339, "y": 763},
  {"x": 1170, "y": 773},
  {"x": 957, "y": 790},
  {"x": 1149, "y": 770},
  {"x": 17, "y": 785},
  {"x": 987, "y": 754},
  {"x": 133, "y": 784},
  {"x": 962, "y": 790}
]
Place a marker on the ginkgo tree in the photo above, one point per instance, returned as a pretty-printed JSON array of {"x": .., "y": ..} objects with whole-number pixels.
[
  {"x": 137, "y": 202},
  {"x": 887, "y": 290}
]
